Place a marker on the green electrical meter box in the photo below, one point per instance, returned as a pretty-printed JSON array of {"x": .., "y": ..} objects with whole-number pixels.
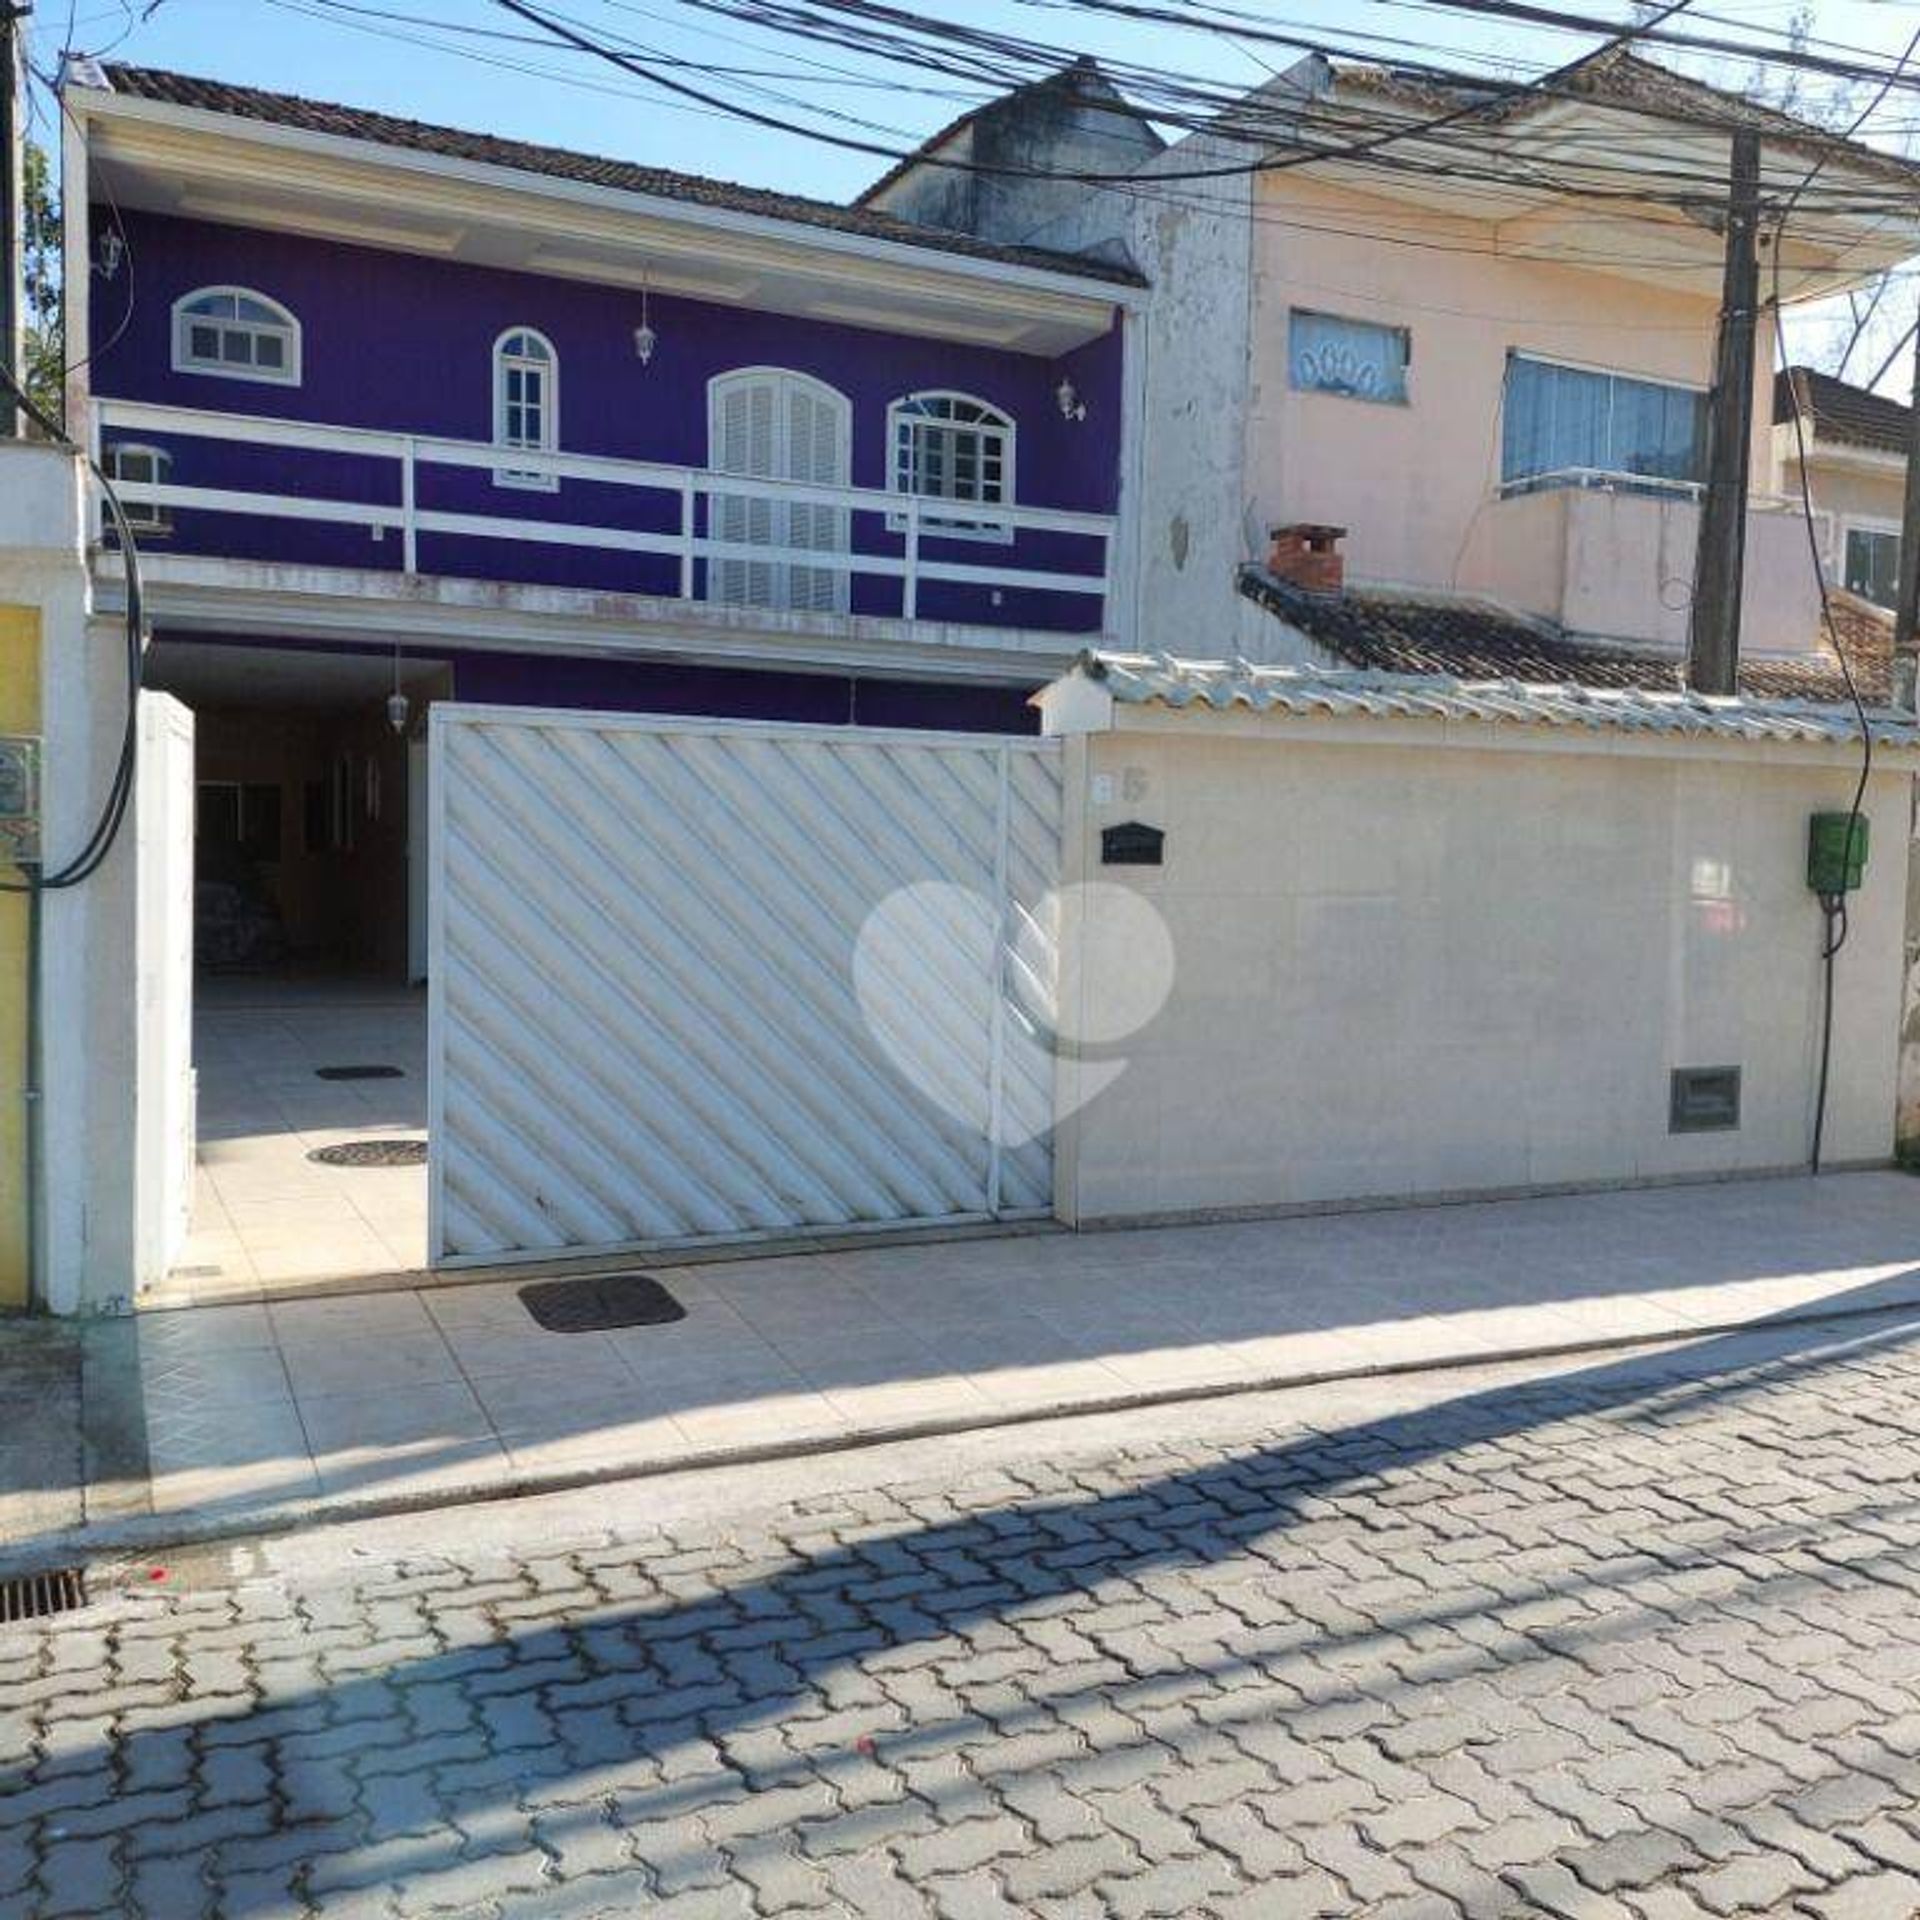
[{"x": 1836, "y": 858}]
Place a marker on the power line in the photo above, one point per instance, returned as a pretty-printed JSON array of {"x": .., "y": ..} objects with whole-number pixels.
[
  {"x": 1364, "y": 137},
  {"x": 1366, "y": 143}
]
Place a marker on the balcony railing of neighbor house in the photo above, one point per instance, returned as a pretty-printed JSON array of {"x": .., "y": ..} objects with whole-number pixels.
[{"x": 382, "y": 482}]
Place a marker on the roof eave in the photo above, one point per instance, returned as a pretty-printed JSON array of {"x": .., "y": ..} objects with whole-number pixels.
[{"x": 88, "y": 104}]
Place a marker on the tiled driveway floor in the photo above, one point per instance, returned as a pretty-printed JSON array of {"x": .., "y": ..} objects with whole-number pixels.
[
  {"x": 264, "y": 1215},
  {"x": 392, "y": 1394}
]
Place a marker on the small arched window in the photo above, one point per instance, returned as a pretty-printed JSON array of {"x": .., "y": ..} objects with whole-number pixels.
[
  {"x": 236, "y": 333},
  {"x": 950, "y": 446},
  {"x": 526, "y": 402}
]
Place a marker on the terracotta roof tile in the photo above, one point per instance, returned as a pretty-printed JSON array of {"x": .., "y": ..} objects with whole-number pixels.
[
  {"x": 1863, "y": 634},
  {"x": 1842, "y": 412},
  {"x": 1462, "y": 639},
  {"x": 1621, "y": 79},
  {"x": 560, "y": 163}
]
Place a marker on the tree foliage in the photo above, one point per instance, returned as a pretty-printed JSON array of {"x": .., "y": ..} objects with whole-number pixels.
[{"x": 45, "y": 343}]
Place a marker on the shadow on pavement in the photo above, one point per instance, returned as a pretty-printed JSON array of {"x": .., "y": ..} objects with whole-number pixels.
[{"x": 867, "y": 1675}]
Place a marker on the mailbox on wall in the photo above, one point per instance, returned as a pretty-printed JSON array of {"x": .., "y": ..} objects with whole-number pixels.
[{"x": 1132, "y": 844}]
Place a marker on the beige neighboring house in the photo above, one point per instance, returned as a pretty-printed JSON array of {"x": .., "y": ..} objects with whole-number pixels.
[
  {"x": 1459, "y": 891},
  {"x": 1854, "y": 443},
  {"x": 1467, "y": 355}
]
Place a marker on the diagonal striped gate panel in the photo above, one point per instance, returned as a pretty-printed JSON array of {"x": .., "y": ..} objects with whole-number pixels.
[{"x": 651, "y": 999}]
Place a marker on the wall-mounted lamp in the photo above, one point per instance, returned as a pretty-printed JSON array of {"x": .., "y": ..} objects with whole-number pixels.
[
  {"x": 113, "y": 250},
  {"x": 397, "y": 704},
  {"x": 1072, "y": 407},
  {"x": 644, "y": 337}
]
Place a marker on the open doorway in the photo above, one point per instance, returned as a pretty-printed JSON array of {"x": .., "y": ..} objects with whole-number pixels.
[{"x": 309, "y": 1030}]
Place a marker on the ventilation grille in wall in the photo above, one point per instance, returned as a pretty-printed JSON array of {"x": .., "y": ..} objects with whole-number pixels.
[{"x": 1704, "y": 1100}]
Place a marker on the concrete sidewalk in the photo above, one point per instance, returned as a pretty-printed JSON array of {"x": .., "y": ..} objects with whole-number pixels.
[
  {"x": 72, "y": 1444},
  {"x": 263, "y": 1413}
]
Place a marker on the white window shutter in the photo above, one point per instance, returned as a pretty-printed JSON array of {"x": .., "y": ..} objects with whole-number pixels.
[
  {"x": 778, "y": 426},
  {"x": 742, "y": 441},
  {"x": 816, "y": 451}
]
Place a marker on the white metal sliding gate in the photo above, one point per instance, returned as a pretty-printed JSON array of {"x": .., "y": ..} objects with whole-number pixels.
[{"x": 693, "y": 980}]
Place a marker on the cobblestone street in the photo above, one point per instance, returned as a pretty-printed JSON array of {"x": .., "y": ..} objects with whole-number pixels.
[{"x": 1638, "y": 1636}]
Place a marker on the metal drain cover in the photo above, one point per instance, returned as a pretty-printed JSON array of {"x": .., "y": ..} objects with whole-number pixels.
[
  {"x": 372, "y": 1153},
  {"x": 601, "y": 1302},
  {"x": 359, "y": 1073},
  {"x": 32, "y": 1596}
]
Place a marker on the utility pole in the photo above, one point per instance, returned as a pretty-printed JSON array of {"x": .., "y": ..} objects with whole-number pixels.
[
  {"x": 1906, "y": 617},
  {"x": 13, "y": 188},
  {"x": 1713, "y": 634}
]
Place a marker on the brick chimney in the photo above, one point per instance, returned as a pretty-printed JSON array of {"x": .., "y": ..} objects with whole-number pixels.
[{"x": 1309, "y": 557}]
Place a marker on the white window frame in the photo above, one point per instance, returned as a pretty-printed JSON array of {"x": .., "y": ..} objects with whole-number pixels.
[
  {"x": 950, "y": 526},
  {"x": 1402, "y": 398},
  {"x": 143, "y": 516},
  {"x": 1851, "y": 524},
  {"x": 285, "y": 328},
  {"x": 549, "y": 441}
]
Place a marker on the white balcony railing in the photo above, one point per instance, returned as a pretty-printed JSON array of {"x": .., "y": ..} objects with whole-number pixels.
[{"x": 908, "y": 519}]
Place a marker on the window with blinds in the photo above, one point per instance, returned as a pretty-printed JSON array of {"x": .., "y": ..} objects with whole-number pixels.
[{"x": 1574, "y": 426}]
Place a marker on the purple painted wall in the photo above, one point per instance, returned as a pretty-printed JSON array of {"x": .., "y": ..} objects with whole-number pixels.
[{"x": 405, "y": 344}]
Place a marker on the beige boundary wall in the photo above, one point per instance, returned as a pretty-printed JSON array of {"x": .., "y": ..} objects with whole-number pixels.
[{"x": 1419, "y": 959}]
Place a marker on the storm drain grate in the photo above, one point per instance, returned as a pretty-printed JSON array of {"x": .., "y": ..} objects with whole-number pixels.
[
  {"x": 372, "y": 1153},
  {"x": 359, "y": 1073},
  {"x": 32, "y": 1596},
  {"x": 600, "y": 1303}
]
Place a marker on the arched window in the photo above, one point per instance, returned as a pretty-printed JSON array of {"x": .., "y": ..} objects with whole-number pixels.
[
  {"x": 526, "y": 402},
  {"x": 236, "y": 333},
  {"x": 950, "y": 446}
]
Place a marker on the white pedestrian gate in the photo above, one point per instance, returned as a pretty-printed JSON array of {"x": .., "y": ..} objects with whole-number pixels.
[{"x": 704, "y": 980}]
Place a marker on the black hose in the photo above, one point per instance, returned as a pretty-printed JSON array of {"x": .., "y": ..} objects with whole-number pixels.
[{"x": 1834, "y": 906}]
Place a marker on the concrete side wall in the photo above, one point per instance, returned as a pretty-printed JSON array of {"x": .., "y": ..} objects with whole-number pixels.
[
  {"x": 1017, "y": 171},
  {"x": 1620, "y": 565},
  {"x": 1191, "y": 239},
  {"x": 89, "y": 962},
  {"x": 1030, "y": 150},
  {"x": 1191, "y": 517},
  {"x": 1405, "y": 970}
]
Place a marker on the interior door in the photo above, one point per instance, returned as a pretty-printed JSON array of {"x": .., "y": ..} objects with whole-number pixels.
[{"x": 773, "y": 424}]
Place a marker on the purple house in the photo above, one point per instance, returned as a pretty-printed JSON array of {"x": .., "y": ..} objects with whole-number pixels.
[{"x": 403, "y": 409}]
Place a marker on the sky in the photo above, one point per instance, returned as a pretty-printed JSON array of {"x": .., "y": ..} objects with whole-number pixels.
[
  {"x": 355, "y": 51},
  {"x": 471, "y": 63}
]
